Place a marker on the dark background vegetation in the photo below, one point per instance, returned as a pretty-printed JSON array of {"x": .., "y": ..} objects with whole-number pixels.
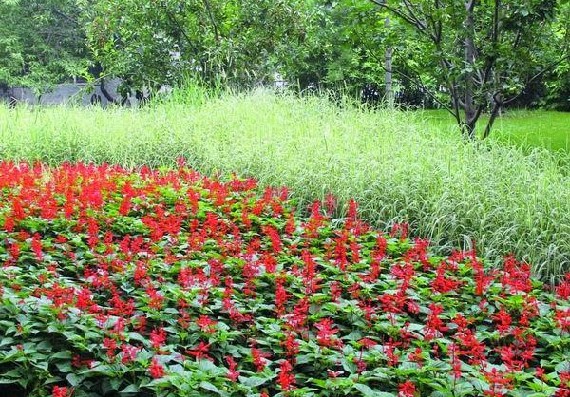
[{"x": 338, "y": 46}]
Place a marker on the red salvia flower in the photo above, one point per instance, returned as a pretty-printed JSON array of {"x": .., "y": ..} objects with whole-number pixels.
[
  {"x": 406, "y": 389},
  {"x": 286, "y": 378},
  {"x": 156, "y": 369},
  {"x": 291, "y": 346},
  {"x": 36, "y": 246},
  {"x": 326, "y": 333},
  {"x": 434, "y": 324},
  {"x": 503, "y": 321},
  {"x": 563, "y": 289},
  {"x": 201, "y": 351},
  {"x": 58, "y": 391},
  {"x": 259, "y": 359},
  {"x": 564, "y": 387},
  {"x": 281, "y": 295},
  {"x": 129, "y": 353},
  {"x": 233, "y": 373},
  {"x": 206, "y": 324},
  {"x": 110, "y": 345},
  {"x": 157, "y": 338}
]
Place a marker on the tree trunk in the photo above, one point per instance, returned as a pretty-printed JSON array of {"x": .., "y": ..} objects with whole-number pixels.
[
  {"x": 469, "y": 103},
  {"x": 105, "y": 93},
  {"x": 388, "y": 67},
  {"x": 496, "y": 111}
]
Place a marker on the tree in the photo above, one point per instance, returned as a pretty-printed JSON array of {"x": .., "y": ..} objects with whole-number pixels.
[
  {"x": 480, "y": 54},
  {"x": 41, "y": 43},
  {"x": 152, "y": 43},
  {"x": 557, "y": 82}
]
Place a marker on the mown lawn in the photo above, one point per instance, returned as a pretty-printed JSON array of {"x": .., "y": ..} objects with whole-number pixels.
[{"x": 537, "y": 128}]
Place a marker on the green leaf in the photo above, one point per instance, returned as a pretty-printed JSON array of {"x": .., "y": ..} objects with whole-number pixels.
[
  {"x": 563, "y": 366},
  {"x": 210, "y": 387},
  {"x": 130, "y": 389},
  {"x": 209, "y": 367},
  {"x": 252, "y": 381},
  {"x": 368, "y": 392},
  {"x": 62, "y": 355},
  {"x": 74, "y": 379}
]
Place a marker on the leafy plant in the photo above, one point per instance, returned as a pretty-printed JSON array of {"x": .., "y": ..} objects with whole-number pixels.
[{"x": 221, "y": 290}]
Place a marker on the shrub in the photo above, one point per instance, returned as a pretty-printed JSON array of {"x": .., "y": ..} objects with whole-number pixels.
[{"x": 169, "y": 283}]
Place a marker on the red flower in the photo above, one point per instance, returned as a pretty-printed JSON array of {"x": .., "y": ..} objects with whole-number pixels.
[
  {"x": 401, "y": 229},
  {"x": 434, "y": 324},
  {"x": 360, "y": 364},
  {"x": 286, "y": 378},
  {"x": 416, "y": 356},
  {"x": 564, "y": 388},
  {"x": 406, "y": 389},
  {"x": 326, "y": 333},
  {"x": 110, "y": 345},
  {"x": 273, "y": 235},
  {"x": 233, "y": 373},
  {"x": 503, "y": 321},
  {"x": 129, "y": 353},
  {"x": 259, "y": 359},
  {"x": 281, "y": 296},
  {"x": 443, "y": 284},
  {"x": 291, "y": 346},
  {"x": 499, "y": 381},
  {"x": 157, "y": 338},
  {"x": 36, "y": 246},
  {"x": 390, "y": 351},
  {"x": 563, "y": 290},
  {"x": 367, "y": 343},
  {"x": 156, "y": 369},
  {"x": 201, "y": 351},
  {"x": 206, "y": 324},
  {"x": 562, "y": 318},
  {"x": 58, "y": 391},
  {"x": 330, "y": 203}
]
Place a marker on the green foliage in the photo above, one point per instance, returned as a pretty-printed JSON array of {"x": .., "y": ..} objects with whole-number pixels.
[
  {"x": 41, "y": 43},
  {"x": 479, "y": 55},
  {"x": 397, "y": 165},
  {"x": 338, "y": 45},
  {"x": 220, "y": 42},
  {"x": 558, "y": 80},
  {"x": 223, "y": 291}
]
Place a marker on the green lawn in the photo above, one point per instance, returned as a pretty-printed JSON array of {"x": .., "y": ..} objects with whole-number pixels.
[{"x": 528, "y": 129}]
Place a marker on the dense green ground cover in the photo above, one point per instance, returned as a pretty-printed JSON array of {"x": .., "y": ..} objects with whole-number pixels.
[
  {"x": 396, "y": 165},
  {"x": 166, "y": 284},
  {"x": 527, "y": 129}
]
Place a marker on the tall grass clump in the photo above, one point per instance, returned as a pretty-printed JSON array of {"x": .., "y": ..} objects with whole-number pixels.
[{"x": 396, "y": 166}]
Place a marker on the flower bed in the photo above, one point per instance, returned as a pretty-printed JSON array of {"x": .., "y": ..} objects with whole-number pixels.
[{"x": 170, "y": 283}]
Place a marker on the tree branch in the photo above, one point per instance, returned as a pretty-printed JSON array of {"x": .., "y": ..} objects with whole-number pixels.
[
  {"x": 418, "y": 83},
  {"x": 407, "y": 18},
  {"x": 537, "y": 75},
  {"x": 212, "y": 19}
]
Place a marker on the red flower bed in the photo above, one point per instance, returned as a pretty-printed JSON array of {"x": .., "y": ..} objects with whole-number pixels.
[{"x": 169, "y": 283}]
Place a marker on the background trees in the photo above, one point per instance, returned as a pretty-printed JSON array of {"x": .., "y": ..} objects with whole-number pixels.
[
  {"x": 41, "y": 42},
  {"x": 222, "y": 42},
  {"x": 470, "y": 57},
  {"x": 481, "y": 54}
]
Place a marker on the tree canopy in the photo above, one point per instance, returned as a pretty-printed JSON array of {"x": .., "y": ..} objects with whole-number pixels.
[
  {"x": 41, "y": 42},
  {"x": 480, "y": 54},
  {"x": 470, "y": 57}
]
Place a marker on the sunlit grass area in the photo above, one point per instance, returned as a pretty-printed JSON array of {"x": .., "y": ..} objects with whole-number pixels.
[
  {"x": 453, "y": 192},
  {"x": 528, "y": 129}
]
